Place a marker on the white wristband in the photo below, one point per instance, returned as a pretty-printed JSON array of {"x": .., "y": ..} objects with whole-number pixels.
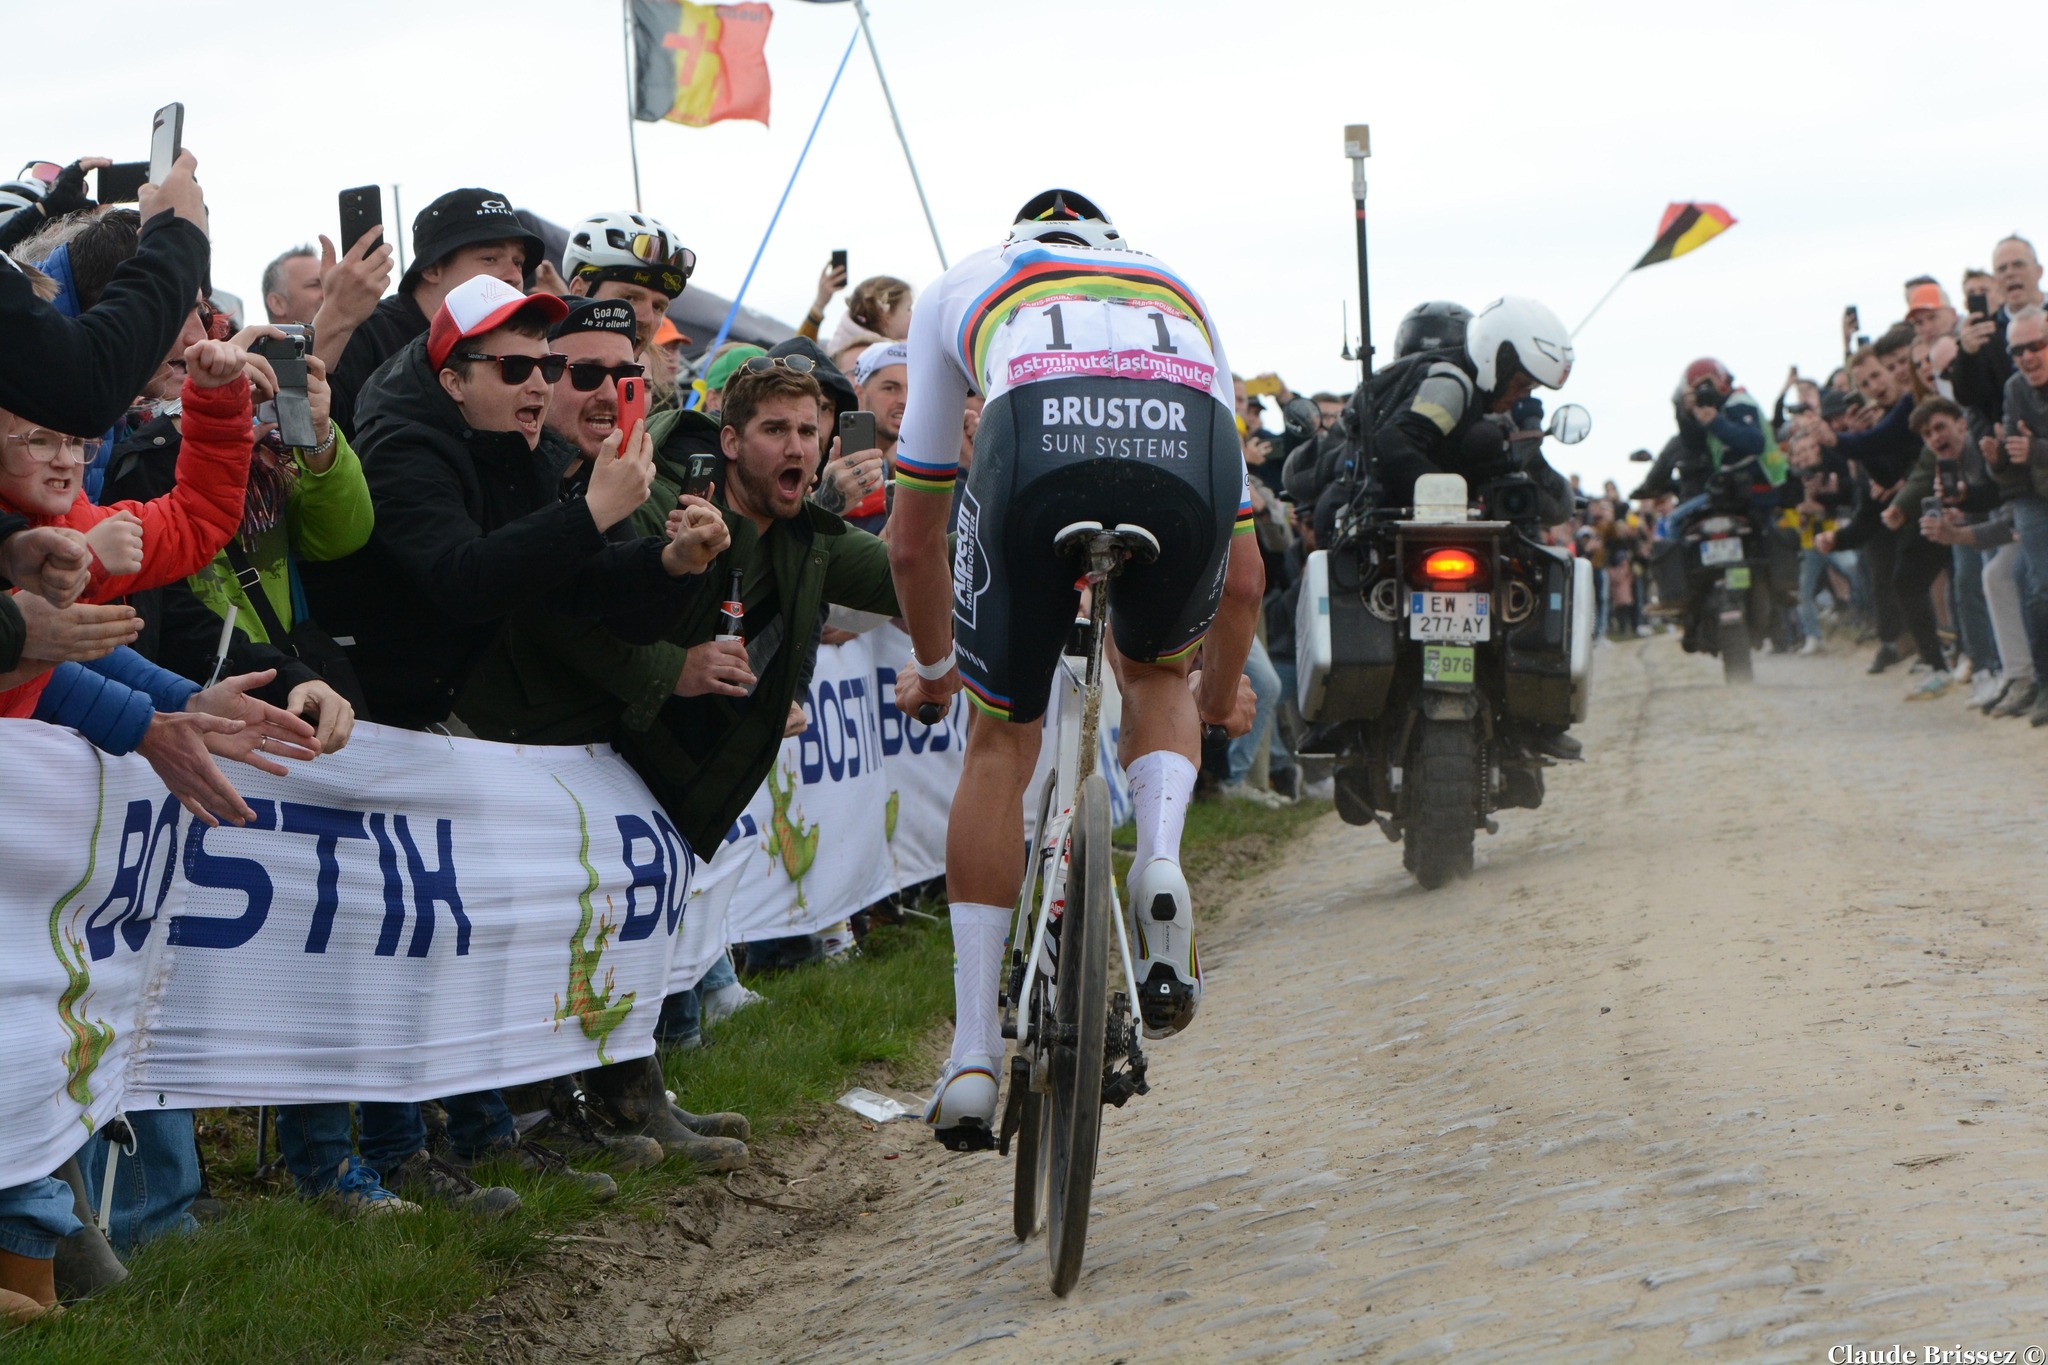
[{"x": 934, "y": 672}]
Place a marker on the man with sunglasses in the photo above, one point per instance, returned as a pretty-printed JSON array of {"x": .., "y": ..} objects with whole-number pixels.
[
  {"x": 462, "y": 235},
  {"x": 2016, "y": 450},
  {"x": 597, "y": 337},
  {"x": 632, "y": 257},
  {"x": 464, "y": 482}
]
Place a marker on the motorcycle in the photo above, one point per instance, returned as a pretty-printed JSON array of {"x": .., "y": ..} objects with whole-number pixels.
[
  {"x": 1434, "y": 651},
  {"x": 1721, "y": 563}
]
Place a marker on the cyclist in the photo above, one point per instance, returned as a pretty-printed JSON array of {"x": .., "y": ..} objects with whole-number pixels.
[
  {"x": 629, "y": 256},
  {"x": 1108, "y": 399}
]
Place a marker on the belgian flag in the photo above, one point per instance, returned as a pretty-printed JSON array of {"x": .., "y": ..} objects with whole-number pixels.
[
  {"x": 700, "y": 64},
  {"x": 1685, "y": 227}
]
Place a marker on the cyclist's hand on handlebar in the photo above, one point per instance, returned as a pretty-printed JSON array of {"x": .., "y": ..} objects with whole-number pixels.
[
  {"x": 1237, "y": 716},
  {"x": 913, "y": 693}
]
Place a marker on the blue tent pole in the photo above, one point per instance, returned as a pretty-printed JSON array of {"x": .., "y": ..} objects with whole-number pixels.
[{"x": 725, "y": 328}]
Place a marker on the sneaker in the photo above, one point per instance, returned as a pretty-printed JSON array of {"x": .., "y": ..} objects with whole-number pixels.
[
  {"x": 1810, "y": 647},
  {"x": 1986, "y": 689},
  {"x": 1886, "y": 656},
  {"x": 2019, "y": 700},
  {"x": 577, "y": 1139},
  {"x": 1964, "y": 670},
  {"x": 1322, "y": 789},
  {"x": 1161, "y": 917},
  {"x": 1256, "y": 796},
  {"x": 358, "y": 1193},
  {"x": 425, "y": 1176},
  {"x": 1937, "y": 683},
  {"x": 963, "y": 1108},
  {"x": 726, "y": 1001},
  {"x": 2038, "y": 716},
  {"x": 535, "y": 1159}
]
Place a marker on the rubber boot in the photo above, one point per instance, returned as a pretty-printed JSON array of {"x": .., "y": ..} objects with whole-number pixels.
[
  {"x": 721, "y": 1125},
  {"x": 28, "y": 1288},
  {"x": 85, "y": 1263},
  {"x": 629, "y": 1098}
]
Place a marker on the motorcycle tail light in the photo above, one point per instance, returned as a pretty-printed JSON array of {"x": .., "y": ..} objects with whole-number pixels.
[
  {"x": 1450, "y": 565},
  {"x": 1718, "y": 526}
]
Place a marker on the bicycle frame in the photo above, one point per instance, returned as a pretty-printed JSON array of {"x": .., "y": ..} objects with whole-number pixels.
[{"x": 1077, "y": 740}]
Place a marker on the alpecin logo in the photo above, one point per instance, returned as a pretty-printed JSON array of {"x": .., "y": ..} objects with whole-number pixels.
[{"x": 596, "y": 1011}]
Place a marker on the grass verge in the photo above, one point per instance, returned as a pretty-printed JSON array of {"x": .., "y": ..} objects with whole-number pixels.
[{"x": 278, "y": 1280}]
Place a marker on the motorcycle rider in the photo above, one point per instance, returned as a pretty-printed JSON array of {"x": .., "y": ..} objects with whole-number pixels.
[{"x": 1443, "y": 409}]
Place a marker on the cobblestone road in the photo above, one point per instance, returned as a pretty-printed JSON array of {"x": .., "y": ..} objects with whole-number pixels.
[{"x": 1733, "y": 1051}]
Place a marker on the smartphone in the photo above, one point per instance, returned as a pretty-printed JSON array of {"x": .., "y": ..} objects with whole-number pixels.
[
  {"x": 121, "y": 183},
  {"x": 166, "y": 140},
  {"x": 632, "y": 404},
  {"x": 701, "y": 475},
  {"x": 362, "y": 208},
  {"x": 1265, "y": 383},
  {"x": 839, "y": 262},
  {"x": 1978, "y": 304},
  {"x": 1931, "y": 507},
  {"x": 1855, "y": 320},
  {"x": 856, "y": 432}
]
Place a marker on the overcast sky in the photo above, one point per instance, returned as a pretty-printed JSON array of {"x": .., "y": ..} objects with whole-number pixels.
[{"x": 1518, "y": 148}]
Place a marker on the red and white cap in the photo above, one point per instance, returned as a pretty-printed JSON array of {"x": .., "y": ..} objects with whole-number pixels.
[{"x": 480, "y": 305}]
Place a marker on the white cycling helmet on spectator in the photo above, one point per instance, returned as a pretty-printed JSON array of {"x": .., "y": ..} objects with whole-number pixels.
[
  {"x": 628, "y": 246},
  {"x": 1062, "y": 215},
  {"x": 13, "y": 199},
  {"x": 1541, "y": 346}
]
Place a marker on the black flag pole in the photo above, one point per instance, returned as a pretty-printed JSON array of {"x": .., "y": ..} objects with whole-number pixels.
[{"x": 632, "y": 107}]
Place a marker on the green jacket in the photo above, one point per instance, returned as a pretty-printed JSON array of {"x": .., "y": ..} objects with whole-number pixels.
[
  {"x": 551, "y": 679},
  {"x": 326, "y": 516}
]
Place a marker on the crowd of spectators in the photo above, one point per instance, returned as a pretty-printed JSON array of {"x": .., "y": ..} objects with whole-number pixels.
[
  {"x": 463, "y": 540},
  {"x": 1914, "y": 501}
]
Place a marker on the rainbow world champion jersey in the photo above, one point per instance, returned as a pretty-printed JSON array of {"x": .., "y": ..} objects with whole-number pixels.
[{"x": 1025, "y": 312}]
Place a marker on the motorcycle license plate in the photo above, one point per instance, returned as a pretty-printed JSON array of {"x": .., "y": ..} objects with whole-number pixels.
[
  {"x": 1449, "y": 665},
  {"x": 1452, "y": 617},
  {"x": 1727, "y": 550}
]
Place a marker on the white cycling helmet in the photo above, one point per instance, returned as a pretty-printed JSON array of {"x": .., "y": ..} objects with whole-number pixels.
[
  {"x": 13, "y": 199},
  {"x": 1062, "y": 215},
  {"x": 1541, "y": 344},
  {"x": 628, "y": 246}
]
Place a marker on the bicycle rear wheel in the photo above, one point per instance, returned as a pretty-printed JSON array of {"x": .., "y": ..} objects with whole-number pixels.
[{"x": 1081, "y": 1009}]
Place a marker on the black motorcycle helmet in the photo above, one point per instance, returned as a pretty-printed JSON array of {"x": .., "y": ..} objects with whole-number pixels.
[{"x": 1438, "y": 325}]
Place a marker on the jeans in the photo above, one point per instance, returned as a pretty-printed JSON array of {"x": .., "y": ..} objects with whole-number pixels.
[
  {"x": 1918, "y": 562},
  {"x": 477, "y": 1122},
  {"x": 155, "y": 1187},
  {"x": 1813, "y": 569},
  {"x": 682, "y": 1014},
  {"x": 2002, "y": 578},
  {"x": 1244, "y": 750},
  {"x": 35, "y": 1217},
  {"x": 1973, "y": 614},
  {"x": 315, "y": 1140},
  {"x": 2030, "y": 522}
]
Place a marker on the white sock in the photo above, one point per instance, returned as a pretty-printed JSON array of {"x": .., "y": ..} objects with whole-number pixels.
[
  {"x": 1161, "y": 784},
  {"x": 978, "y": 935}
]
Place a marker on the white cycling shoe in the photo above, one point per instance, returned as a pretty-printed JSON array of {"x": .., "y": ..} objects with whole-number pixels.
[
  {"x": 963, "y": 1108},
  {"x": 1162, "y": 924}
]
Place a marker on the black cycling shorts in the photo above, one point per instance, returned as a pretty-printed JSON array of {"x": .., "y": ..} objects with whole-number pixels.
[{"x": 1049, "y": 454}]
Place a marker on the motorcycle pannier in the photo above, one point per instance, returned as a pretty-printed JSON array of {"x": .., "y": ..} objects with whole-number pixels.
[{"x": 1344, "y": 655}]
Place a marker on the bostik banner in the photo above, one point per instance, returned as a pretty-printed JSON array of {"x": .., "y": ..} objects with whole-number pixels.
[{"x": 414, "y": 916}]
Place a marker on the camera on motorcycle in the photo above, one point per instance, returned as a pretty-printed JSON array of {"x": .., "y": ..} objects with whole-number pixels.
[
  {"x": 1708, "y": 395},
  {"x": 1569, "y": 425}
]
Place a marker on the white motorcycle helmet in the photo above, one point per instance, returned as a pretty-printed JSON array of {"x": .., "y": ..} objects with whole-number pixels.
[
  {"x": 1062, "y": 215},
  {"x": 1541, "y": 344},
  {"x": 628, "y": 246}
]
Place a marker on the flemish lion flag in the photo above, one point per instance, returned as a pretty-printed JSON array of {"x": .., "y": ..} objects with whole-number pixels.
[
  {"x": 700, "y": 64},
  {"x": 1686, "y": 226}
]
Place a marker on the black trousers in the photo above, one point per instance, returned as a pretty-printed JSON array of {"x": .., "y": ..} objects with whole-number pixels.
[{"x": 1918, "y": 562}]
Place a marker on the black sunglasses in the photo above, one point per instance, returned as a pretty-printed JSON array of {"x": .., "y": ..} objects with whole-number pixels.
[
  {"x": 585, "y": 375},
  {"x": 2027, "y": 348},
  {"x": 514, "y": 369},
  {"x": 761, "y": 364}
]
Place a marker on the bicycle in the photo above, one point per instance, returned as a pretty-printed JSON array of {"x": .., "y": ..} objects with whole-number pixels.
[{"x": 1077, "y": 1043}]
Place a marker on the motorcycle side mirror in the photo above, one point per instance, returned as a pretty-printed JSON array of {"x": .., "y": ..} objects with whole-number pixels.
[{"x": 1570, "y": 424}]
